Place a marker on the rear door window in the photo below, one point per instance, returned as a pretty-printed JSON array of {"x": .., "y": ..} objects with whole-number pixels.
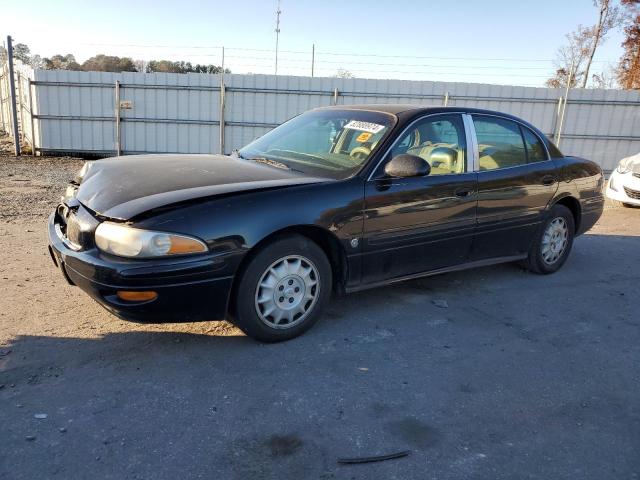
[
  {"x": 535, "y": 149},
  {"x": 500, "y": 143}
]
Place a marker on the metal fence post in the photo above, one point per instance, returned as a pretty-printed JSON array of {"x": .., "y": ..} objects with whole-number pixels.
[
  {"x": 554, "y": 123},
  {"x": 222, "y": 102},
  {"x": 12, "y": 90},
  {"x": 561, "y": 124},
  {"x": 33, "y": 122},
  {"x": 335, "y": 96},
  {"x": 20, "y": 106},
  {"x": 2, "y": 97},
  {"x": 118, "y": 145},
  {"x": 564, "y": 104}
]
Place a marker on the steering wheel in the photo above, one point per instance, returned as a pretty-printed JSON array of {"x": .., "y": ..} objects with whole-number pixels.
[{"x": 360, "y": 153}]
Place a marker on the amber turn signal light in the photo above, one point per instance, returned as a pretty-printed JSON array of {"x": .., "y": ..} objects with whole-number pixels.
[{"x": 136, "y": 296}]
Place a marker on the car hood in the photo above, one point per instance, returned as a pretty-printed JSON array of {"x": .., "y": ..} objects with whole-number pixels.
[{"x": 123, "y": 187}]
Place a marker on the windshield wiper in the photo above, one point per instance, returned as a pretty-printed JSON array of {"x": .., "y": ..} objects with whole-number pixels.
[
  {"x": 275, "y": 163},
  {"x": 268, "y": 161}
]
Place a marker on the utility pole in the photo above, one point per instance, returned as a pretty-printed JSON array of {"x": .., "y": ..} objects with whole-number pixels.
[
  {"x": 313, "y": 58},
  {"x": 12, "y": 95},
  {"x": 564, "y": 106},
  {"x": 278, "y": 12}
]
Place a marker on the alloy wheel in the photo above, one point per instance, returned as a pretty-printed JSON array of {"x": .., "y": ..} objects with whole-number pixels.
[
  {"x": 287, "y": 291},
  {"x": 555, "y": 240}
]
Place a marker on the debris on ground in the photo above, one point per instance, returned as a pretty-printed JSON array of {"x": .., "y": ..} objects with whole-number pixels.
[
  {"x": 440, "y": 303},
  {"x": 40, "y": 416},
  {"x": 378, "y": 458}
]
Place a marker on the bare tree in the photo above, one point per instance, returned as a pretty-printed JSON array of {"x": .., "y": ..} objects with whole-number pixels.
[
  {"x": 605, "y": 79},
  {"x": 342, "y": 73},
  {"x": 629, "y": 66},
  {"x": 609, "y": 18},
  {"x": 571, "y": 59},
  {"x": 575, "y": 59}
]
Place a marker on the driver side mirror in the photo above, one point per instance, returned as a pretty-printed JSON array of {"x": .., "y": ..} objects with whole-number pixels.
[{"x": 405, "y": 165}]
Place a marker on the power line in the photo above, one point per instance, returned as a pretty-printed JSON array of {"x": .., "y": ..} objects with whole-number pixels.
[
  {"x": 319, "y": 52},
  {"x": 348, "y": 62}
]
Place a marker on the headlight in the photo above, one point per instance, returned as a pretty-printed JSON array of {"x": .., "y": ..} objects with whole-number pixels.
[
  {"x": 132, "y": 242},
  {"x": 624, "y": 167}
]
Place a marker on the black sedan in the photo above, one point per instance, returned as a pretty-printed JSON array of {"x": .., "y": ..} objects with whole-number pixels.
[{"x": 335, "y": 200}]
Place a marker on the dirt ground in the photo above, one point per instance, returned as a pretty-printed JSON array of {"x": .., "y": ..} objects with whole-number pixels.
[{"x": 520, "y": 376}]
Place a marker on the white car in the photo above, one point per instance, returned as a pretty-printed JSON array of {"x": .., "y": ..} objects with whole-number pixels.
[{"x": 624, "y": 183}]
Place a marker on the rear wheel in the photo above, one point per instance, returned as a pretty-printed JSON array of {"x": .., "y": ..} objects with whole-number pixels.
[
  {"x": 553, "y": 242},
  {"x": 283, "y": 289}
]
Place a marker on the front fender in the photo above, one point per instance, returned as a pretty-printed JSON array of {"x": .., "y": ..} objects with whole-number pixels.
[{"x": 240, "y": 222}]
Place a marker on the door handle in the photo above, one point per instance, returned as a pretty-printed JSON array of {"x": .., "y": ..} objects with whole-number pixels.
[
  {"x": 462, "y": 192},
  {"x": 548, "y": 180}
]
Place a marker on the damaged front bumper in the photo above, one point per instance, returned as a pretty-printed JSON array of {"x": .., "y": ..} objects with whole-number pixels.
[{"x": 188, "y": 289}]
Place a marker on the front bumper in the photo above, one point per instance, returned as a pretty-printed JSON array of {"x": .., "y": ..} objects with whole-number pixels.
[
  {"x": 624, "y": 187},
  {"x": 189, "y": 289}
]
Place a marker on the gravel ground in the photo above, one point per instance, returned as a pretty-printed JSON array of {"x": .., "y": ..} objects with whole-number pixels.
[
  {"x": 30, "y": 187},
  {"x": 516, "y": 376}
]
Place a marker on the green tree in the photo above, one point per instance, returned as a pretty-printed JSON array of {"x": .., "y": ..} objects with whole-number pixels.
[
  {"x": 108, "y": 63},
  {"x": 168, "y": 66},
  {"x": 22, "y": 53},
  {"x": 61, "y": 62}
]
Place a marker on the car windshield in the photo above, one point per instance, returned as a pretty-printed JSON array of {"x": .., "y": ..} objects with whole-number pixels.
[{"x": 330, "y": 143}]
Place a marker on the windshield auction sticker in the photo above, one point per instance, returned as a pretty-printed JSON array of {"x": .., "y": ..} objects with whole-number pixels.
[
  {"x": 364, "y": 126},
  {"x": 363, "y": 137}
]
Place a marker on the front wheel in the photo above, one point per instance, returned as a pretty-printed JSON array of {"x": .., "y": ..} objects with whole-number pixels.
[
  {"x": 553, "y": 242},
  {"x": 282, "y": 290}
]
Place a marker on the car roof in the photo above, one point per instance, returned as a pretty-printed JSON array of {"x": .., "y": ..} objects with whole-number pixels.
[
  {"x": 398, "y": 108},
  {"x": 409, "y": 111}
]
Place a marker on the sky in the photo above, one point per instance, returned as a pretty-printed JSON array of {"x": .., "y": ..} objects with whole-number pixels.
[{"x": 499, "y": 41}]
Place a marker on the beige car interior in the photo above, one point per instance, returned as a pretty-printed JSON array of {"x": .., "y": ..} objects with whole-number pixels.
[
  {"x": 500, "y": 156},
  {"x": 443, "y": 157}
]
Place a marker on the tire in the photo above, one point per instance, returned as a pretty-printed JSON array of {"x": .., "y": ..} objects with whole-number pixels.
[
  {"x": 299, "y": 272},
  {"x": 553, "y": 242}
]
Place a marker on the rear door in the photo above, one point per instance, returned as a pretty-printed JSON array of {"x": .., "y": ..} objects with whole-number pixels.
[
  {"x": 414, "y": 225},
  {"x": 516, "y": 181}
]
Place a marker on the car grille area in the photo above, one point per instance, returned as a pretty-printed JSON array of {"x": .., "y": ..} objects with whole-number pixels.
[
  {"x": 77, "y": 226},
  {"x": 635, "y": 194}
]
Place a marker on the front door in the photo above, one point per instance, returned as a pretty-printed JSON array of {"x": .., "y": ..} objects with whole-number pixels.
[{"x": 418, "y": 224}]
